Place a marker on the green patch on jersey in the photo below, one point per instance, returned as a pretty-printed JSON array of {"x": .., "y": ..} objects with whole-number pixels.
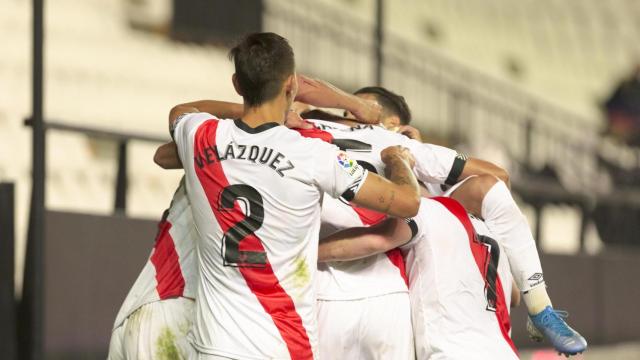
[{"x": 166, "y": 346}]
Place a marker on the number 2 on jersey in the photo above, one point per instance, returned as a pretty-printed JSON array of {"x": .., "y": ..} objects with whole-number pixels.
[{"x": 252, "y": 221}]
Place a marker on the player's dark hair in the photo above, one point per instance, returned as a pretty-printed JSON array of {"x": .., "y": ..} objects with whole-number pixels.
[
  {"x": 263, "y": 62},
  {"x": 392, "y": 103}
]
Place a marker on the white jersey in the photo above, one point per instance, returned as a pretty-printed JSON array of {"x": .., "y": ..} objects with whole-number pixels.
[
  {"x": 384, "y": 273},
  {"x": 170, "y": 271},
  {"x": 460, "y": 285},
  {"x": 256, "y": 197}
]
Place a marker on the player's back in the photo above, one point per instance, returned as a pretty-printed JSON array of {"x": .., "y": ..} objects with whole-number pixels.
[
  {"x": 365, "y": 143},
  {"x": 384, "y": 273},
  {"x": 460, "y": 286},
  {"x": 376, "y": 275},
  {"x": 255, "y": 194}
]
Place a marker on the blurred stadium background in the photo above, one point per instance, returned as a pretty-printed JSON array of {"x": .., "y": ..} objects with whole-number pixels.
[{"x": 520, "y": 83}]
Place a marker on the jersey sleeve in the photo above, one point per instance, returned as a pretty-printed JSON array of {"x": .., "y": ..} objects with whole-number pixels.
[
  {"x": 418, "y": 232},
  {"x": 419, "y": 225},
  {"x": 436, "y": 164},
  {"x": 184, "y": 127},
  {"x": 335, "y": 172}
]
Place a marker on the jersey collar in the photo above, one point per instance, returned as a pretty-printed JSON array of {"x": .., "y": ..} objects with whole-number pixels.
[{"x": 266, "y": 126}]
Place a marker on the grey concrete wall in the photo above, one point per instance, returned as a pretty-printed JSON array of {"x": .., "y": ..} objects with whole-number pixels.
[
  {"x": 92, "y": 261},
  {"x": 600, "y": 292}
]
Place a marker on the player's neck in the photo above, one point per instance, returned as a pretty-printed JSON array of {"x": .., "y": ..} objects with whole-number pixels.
[{"x": 272, "y": 111}]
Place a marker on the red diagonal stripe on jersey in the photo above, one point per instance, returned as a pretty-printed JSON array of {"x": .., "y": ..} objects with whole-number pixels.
[
  {"x": 165, "y": 259},
  {"x": 316, "y": 133},
  {"x": 396, "y": 258},
  {"x": 262, "y": 281},
  {"x": 367, "y": 217},
  {"x": 480, "y": 254}
]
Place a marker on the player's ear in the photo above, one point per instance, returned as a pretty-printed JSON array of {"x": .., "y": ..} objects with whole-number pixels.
[
  {"x": 236, "y": 86},
  {"x": 291, "y": 87}
]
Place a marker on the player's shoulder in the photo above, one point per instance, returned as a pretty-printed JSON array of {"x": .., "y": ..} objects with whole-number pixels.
[
  {"x": 379, "y": 135},
  {"x": 315, "y": 133},
  {"x": 305, "y": 141},
  {"x": 430, "y": 209},
  {"x": 193, "y": 116},
  {"x": 371, "y": 134},
  {"x": 186, "y": 125},
  {"x": 419, "y": 223},
  {"x": 328, "y": 125},
  {"x": 192, "y": 120},
  {"x": 424, "y": 211}
]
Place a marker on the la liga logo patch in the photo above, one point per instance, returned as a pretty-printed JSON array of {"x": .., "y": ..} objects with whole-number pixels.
[{"x": 344, "y": 161}]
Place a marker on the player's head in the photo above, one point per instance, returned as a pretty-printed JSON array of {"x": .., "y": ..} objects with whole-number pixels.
[
  {"x": 395, "y": 111},
  {"x": 264, "y": 69}
]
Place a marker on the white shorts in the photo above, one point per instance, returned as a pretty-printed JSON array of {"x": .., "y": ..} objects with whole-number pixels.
[
  {"x": 156, "y": 331},
  {"x": 372, "y": 328}
]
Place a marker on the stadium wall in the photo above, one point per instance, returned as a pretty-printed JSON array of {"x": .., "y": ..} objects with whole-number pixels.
[
  {"x": 92, "y": 261},
  {"x": 599, "y": 292}
]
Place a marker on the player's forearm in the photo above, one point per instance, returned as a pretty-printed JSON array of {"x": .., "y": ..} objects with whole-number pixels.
[
  {"x": 475, "y": 166},
  {"x": 359, "y": 242},
  {"x": 166, "y": 156},
  {"x": 322, "y": 94},
  {"x": 351, "y": 244},
  {"x": 398, "y": 196},
  {"x": 222, "y": 109},
  {"x": 400, "y": 173}
]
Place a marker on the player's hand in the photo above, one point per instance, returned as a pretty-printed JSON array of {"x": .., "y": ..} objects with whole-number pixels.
[
  {"x": 368, "y": 112},
  {"x": 410, "y": 132},
  {"x": 301, "y": 107},
  {"x": 294, "y": 121},
  {"x": 397, "y": 152}
]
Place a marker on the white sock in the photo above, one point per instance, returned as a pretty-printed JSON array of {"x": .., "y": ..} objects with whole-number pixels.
[
  {"x": 536, "y": 299},
  {"x": 505, "y": 220}
]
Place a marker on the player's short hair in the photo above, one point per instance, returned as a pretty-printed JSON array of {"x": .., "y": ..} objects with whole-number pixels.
[
  {"x": 392, "y": 103},
  {"x": 263, "y": 61}
]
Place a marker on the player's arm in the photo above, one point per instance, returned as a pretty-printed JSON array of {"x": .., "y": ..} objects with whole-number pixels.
[
  {"x": 322, "y": 94},
  {"x": 438, "y": 164},
  {"x": 166, "y": 156},
  {"x": 410, "y": 132},
  {"x": 221, "y": 109},
  {"x": 359, "y": 242},
  {"x": 515, "y": 295},
  {"x": 475, "y": 166},
  {"x": 399, "y": 195}
]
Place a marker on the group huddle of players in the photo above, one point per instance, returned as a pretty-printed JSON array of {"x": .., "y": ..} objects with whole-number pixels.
[{"x": 333, "y": 237}]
